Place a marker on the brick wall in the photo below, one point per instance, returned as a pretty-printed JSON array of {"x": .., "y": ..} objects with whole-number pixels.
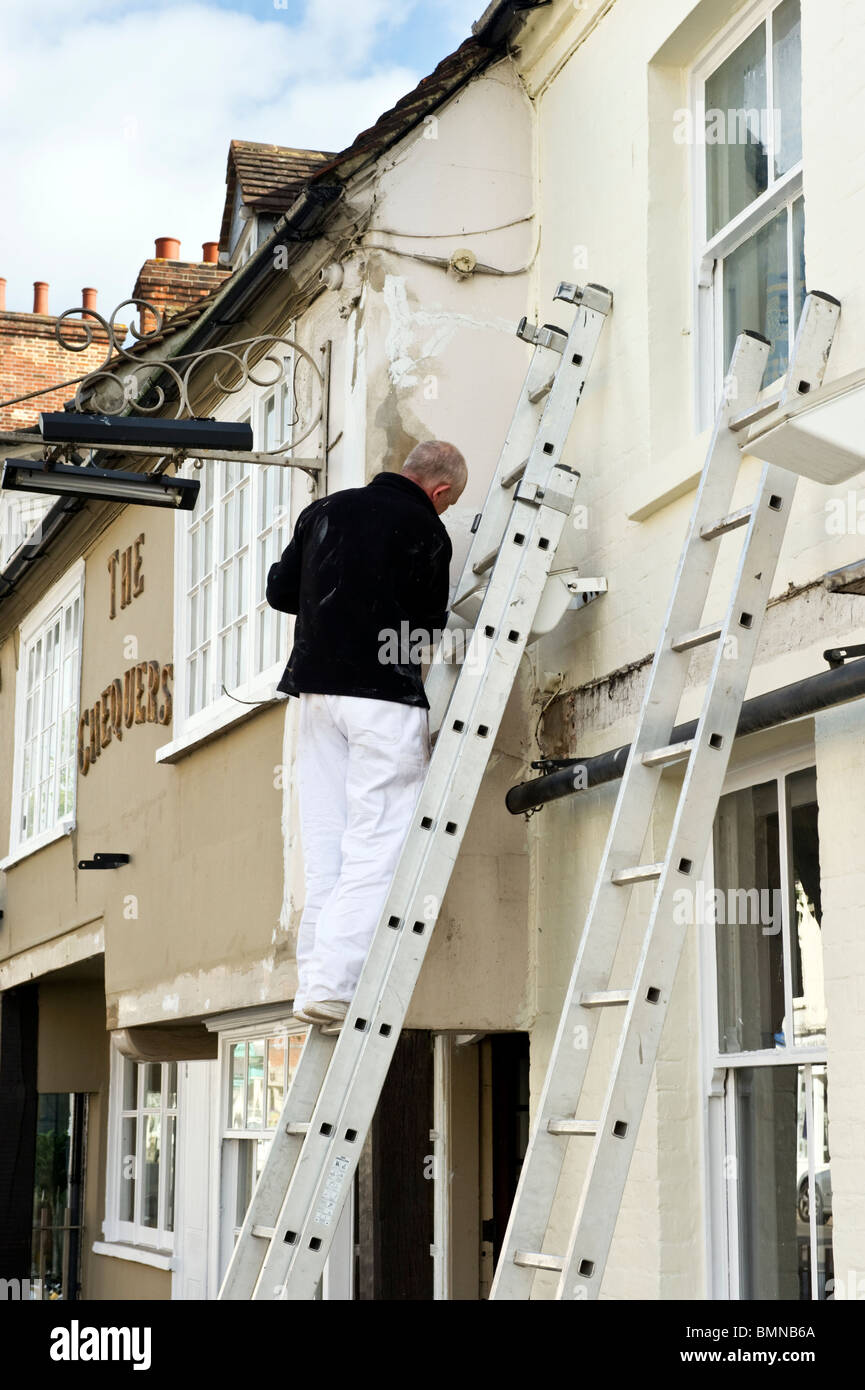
[
  {"x": 174, "y": 285},
  {"x": 31, "y": 358}
]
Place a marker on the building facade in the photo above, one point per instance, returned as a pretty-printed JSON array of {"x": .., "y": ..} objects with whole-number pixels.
[{"x": 688, "y": 157}]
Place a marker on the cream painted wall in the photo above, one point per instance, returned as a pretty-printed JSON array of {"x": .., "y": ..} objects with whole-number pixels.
[{"x": 615, "y": 194}]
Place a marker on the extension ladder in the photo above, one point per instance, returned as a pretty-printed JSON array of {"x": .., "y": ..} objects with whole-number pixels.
[
  {"x": 580, "y": 1269},
  {"x": 289, "y": 1225}
]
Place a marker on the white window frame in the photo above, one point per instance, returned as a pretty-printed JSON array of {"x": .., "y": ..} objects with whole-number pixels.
[
  {"x": 69, "y": 587},
  {"x": 338, "y": 1276},
  {"x": 132, "y": 1234},
  {"x": 709, "y": 366},
  {"x": 21, "y": 516},
  {"x": 224, "y": 710},
  {"x": 719, "y": 1118}
]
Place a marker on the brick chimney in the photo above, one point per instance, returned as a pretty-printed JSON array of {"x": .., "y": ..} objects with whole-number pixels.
[
  {"x": 31, "y": 357},
  {"x": 172, "y": 284}
]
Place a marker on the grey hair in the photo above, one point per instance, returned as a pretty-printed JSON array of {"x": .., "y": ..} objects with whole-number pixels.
[{"x": 437, "y": 462}]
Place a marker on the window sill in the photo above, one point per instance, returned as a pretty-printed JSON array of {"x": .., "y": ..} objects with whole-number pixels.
[
  {"x": 223, "y": 717},
  {"x": 45, "y": 837},
  {"x": 677, "y": 474},
  {"x": 135, "y": 1254}
]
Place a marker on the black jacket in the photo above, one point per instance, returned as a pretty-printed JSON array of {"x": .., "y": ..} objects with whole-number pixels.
[{"x": 366, "y": 572}]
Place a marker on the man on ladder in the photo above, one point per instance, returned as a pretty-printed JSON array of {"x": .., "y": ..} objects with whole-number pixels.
[{"x": 367, "y": 574}]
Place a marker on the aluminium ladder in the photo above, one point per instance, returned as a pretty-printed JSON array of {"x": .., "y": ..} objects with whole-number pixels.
[
  {"x": 289, "y": 1225},
  {"x": 580, "y": 1270}
]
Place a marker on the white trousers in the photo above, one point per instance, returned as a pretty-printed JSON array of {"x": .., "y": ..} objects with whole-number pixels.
[{"x": 360, "y": 767}]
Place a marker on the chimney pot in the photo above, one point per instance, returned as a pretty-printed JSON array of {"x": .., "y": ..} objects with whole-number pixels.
[
  {"x": 40, "y": 296},
  {"x": 210, "y": 252},
  {"x": 88, "y": 298},
  {"x": 2, "y": 295},
  {"x": 167, "y": 248}
]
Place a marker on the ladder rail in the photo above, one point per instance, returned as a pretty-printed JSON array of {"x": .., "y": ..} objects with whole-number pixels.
[
  {"x": 583, "y": 1266},
  {"x": 315, "y": 1176},
  {"x": 604, "y": 1184},
  {"x": 363, "y": 1053},
  {"x": 531, "y": 1210},
  {"x": 511, "y": 469},
  {"x": 247, "y": 1258}
]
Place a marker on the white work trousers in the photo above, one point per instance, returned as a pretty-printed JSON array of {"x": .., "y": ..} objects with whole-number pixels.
[{"x": 360, "y": 766}]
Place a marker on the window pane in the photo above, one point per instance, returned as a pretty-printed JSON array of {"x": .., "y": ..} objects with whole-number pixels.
[
  {"x": 128, "y": 1163},
  {"x": 787, "y": 85},
  {"x": 238, "y": 1061},
  {"x": 774, "y": 1254},
  {"x": 152, "y": 1085},
  {"x": 809, "y": 1000},
  {"x": 798, "y": 267},
  {"x": 821, "y": 1194},
  {"x": 170, "y": 1147},
  {"x": 270, "y": 440},
  {"x": 736, "y": 166},
  {"x": 171, "y": 1087},
  {"x": 150, "y": 1173},
  {"x": 255, "y": 1085},
  {"x": 275, "y": 1080},
  {"x": 250, "y": 1161},
  {"x": 295, "y": 1047},
  {"x": 747, "y": 912},
  {"x": 130, "y": 1084},
  {"x": 755, "y": 293}
]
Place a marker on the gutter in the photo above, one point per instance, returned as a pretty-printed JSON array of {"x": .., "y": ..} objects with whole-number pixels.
[
  {"x": 789, "y": 702},
  {"x": 497, "y": 21}
]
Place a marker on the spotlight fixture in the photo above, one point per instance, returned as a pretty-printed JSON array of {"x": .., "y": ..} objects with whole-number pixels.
[
  {"x": 77, "y": 427},
  {"x": 148, "y": 489}
]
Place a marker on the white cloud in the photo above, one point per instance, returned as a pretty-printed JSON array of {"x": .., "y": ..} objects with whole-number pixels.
[{"x": 115, "y": 119}]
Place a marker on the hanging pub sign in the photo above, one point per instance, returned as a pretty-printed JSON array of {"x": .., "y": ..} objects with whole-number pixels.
[{"x": 142, "y": 695}]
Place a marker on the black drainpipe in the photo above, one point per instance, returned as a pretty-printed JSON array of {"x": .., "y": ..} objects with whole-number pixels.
[{"x": 834, "y": 687}]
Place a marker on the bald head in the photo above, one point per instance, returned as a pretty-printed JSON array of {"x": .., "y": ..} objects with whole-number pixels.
[{"x": 439, "y": 469}]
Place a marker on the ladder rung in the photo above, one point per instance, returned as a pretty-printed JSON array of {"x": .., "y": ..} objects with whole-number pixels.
[
  {"x": 673, "y": 753},
  {"x": 755, "y": 412},
  {"x": 541, "y": 391},
  {"x": 638, "y": 874},
  {"x": 727, "y": 523},
  {"x": 264, "y": 1232},
  {"x": 572, "y": 1126},
  {"x": 697, "y": 637},
  {"x": 515, "y": 474},
  {"x": 603, "y": 998},
  {"x": 298, "y": 1127},
  {"x": 485, "y": 562},
  {"x": 528, "y": 1260}
]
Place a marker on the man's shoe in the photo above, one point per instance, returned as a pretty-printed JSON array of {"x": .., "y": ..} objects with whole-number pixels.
[
  {"x": 303, "y": 1015},
  {"x": 326, "y": 1011}
]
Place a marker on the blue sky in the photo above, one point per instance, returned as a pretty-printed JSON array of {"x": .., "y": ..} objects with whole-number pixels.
[{"x": 115, "y": 115}]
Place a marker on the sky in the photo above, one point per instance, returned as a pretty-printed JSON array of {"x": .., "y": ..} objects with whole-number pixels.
[{"x": 116, "y": 116}]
